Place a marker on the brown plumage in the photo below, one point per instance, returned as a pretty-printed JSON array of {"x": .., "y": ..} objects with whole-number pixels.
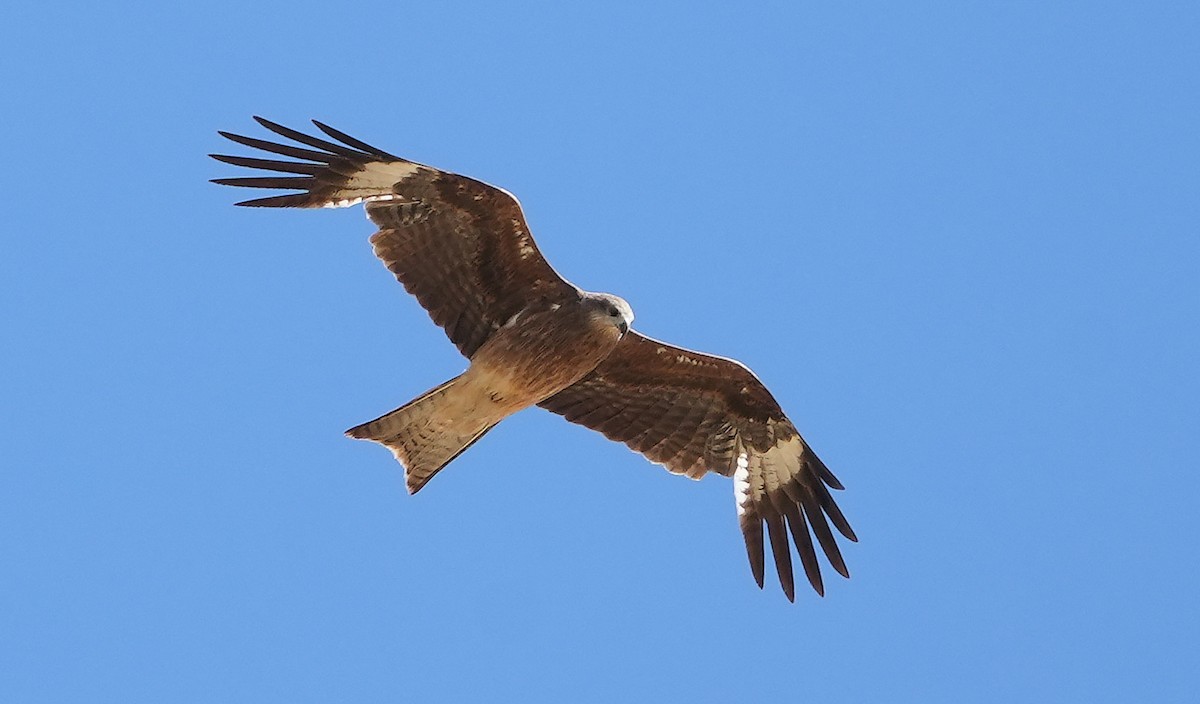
[{"x": 463, "y": 249}]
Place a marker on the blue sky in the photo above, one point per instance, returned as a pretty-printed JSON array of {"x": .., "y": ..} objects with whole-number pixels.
[{"x": 957, "y": 240}]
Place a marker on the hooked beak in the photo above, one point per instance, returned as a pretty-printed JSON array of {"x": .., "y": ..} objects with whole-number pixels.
[{"x": 623, "y": 327}]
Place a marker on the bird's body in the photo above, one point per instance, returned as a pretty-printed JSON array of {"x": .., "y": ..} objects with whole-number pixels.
[
  {"x": 514, "y": 369},
  {"x": 463, "y": 249}
]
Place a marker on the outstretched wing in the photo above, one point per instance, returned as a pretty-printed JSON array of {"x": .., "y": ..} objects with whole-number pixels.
[
  {"x": 696, "y": 413},
  {"x": 460, "y": 246}
]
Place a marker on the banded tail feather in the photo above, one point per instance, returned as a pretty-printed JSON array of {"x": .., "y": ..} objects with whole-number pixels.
[{"x": 428, "y": 432}]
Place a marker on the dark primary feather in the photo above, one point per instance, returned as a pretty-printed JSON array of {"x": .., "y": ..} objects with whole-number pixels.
[
  {"x": 804, "y": 546},
  {"x": 307, "y": 139},
  {"x": 290, "y": 182},
  {"x": 276, "y": 148},
  {"x": 356, "y": 143},
  {"x": 692, "y": 412},
  {"x": 292, "y": 167}
]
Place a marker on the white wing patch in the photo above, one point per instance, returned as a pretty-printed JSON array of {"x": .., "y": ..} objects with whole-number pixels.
[
  {"x": 374, "y": 182},
  {"x": 760, "y": 474},
  {"x": 781, "y": 463},
  {"x": 741, "y": 483}
]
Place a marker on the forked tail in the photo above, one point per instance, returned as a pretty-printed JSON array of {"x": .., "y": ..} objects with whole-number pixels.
[{"x": 427, "y": 433}]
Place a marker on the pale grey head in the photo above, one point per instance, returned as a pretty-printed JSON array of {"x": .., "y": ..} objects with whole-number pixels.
[{"x": 611, "y": 308}]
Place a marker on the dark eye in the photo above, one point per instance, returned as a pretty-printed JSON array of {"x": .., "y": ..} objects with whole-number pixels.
[{"x": 613, "y": 312}]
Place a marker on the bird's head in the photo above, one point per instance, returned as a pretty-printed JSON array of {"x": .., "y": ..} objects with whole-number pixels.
[{"x": 611, "y": 308}]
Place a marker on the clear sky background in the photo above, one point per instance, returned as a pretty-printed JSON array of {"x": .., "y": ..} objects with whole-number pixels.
[{"x": 959, "y": 241}]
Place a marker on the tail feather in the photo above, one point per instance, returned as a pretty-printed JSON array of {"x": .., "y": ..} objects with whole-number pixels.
[{"x": 427, "y": 433}]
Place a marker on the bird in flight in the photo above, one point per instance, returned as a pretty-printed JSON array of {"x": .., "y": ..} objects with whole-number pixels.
[{"x": 462, "y": 247}]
